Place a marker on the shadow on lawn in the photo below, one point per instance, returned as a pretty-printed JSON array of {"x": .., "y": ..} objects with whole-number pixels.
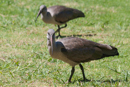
[
  {"x": 108, "y": 80},
  {"x": 80, "y": 35},
  {"x": 102, "y": 81}
]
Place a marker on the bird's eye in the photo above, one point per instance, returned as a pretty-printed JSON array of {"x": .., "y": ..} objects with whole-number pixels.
[{"x": 48, "y": 33}]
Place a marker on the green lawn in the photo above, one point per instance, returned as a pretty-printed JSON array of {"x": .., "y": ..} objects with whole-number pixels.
[{"x": 24, "y": 58}]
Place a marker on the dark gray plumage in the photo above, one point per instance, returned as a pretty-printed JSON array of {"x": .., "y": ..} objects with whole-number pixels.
[
  {"x": 58, "y": 15},
  {"x": 75, "y": 50}
]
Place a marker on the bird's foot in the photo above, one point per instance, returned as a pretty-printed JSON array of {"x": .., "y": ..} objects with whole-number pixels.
[
  {"x": 86, "y": 80},
  {"x": 69, "y": 82}
]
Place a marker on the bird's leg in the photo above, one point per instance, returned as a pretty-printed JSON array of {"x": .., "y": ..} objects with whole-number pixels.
[
  {"x": 72, "y": 72},
  {"x": 58, "y": 30},
  {"x": 82, "y": 69}
]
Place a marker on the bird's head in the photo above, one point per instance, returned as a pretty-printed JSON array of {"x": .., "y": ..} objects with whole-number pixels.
[
  {"x": 43, "y": 9},
  {"x": 51, "y": 39}
]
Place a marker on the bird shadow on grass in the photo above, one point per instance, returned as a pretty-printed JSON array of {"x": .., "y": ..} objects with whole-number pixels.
[
  {"x": 102, "y": 81},
  {"x": 80, "y": 35},
  {"x": 108, "y": 80}
]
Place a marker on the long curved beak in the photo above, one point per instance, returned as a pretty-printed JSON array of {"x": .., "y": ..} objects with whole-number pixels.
[
  {"x": 38, "y": 15},
  {"x": 52, "y": 42},
  {"x": 51, "y": 45}
]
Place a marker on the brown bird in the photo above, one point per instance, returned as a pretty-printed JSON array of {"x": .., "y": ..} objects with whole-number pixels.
[
  {"x": 58, "y": 15},
  {"x": 73, "y": 50}
]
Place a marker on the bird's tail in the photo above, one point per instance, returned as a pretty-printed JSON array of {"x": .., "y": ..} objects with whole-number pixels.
[{"x": 112, "y": 52}]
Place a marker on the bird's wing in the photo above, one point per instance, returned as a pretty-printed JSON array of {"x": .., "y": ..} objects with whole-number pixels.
[
  {"x": 80, "y": 50},
  {"x": 63, "y": 14},
  {"x": 83, "y": 54}
]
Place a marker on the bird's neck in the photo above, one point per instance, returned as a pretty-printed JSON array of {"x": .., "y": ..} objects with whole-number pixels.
[
  {"x": 43, "y": 15},
  {"x": 47, "y": 18},
  {"x": 49, "y": 48}
]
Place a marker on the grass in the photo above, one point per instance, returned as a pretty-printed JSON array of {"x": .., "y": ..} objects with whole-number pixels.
[{"x": 24, "y": 58}]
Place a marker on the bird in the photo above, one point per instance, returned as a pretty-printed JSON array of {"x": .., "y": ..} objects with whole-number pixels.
[
  {"x": 58, "y": 15},
  {"x": 74, "y": 51}
]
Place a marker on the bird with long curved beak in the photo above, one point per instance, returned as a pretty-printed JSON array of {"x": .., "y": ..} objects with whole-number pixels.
[
  {"x": 74, "y": 51},
  {"x": 58, "y": 15}
]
